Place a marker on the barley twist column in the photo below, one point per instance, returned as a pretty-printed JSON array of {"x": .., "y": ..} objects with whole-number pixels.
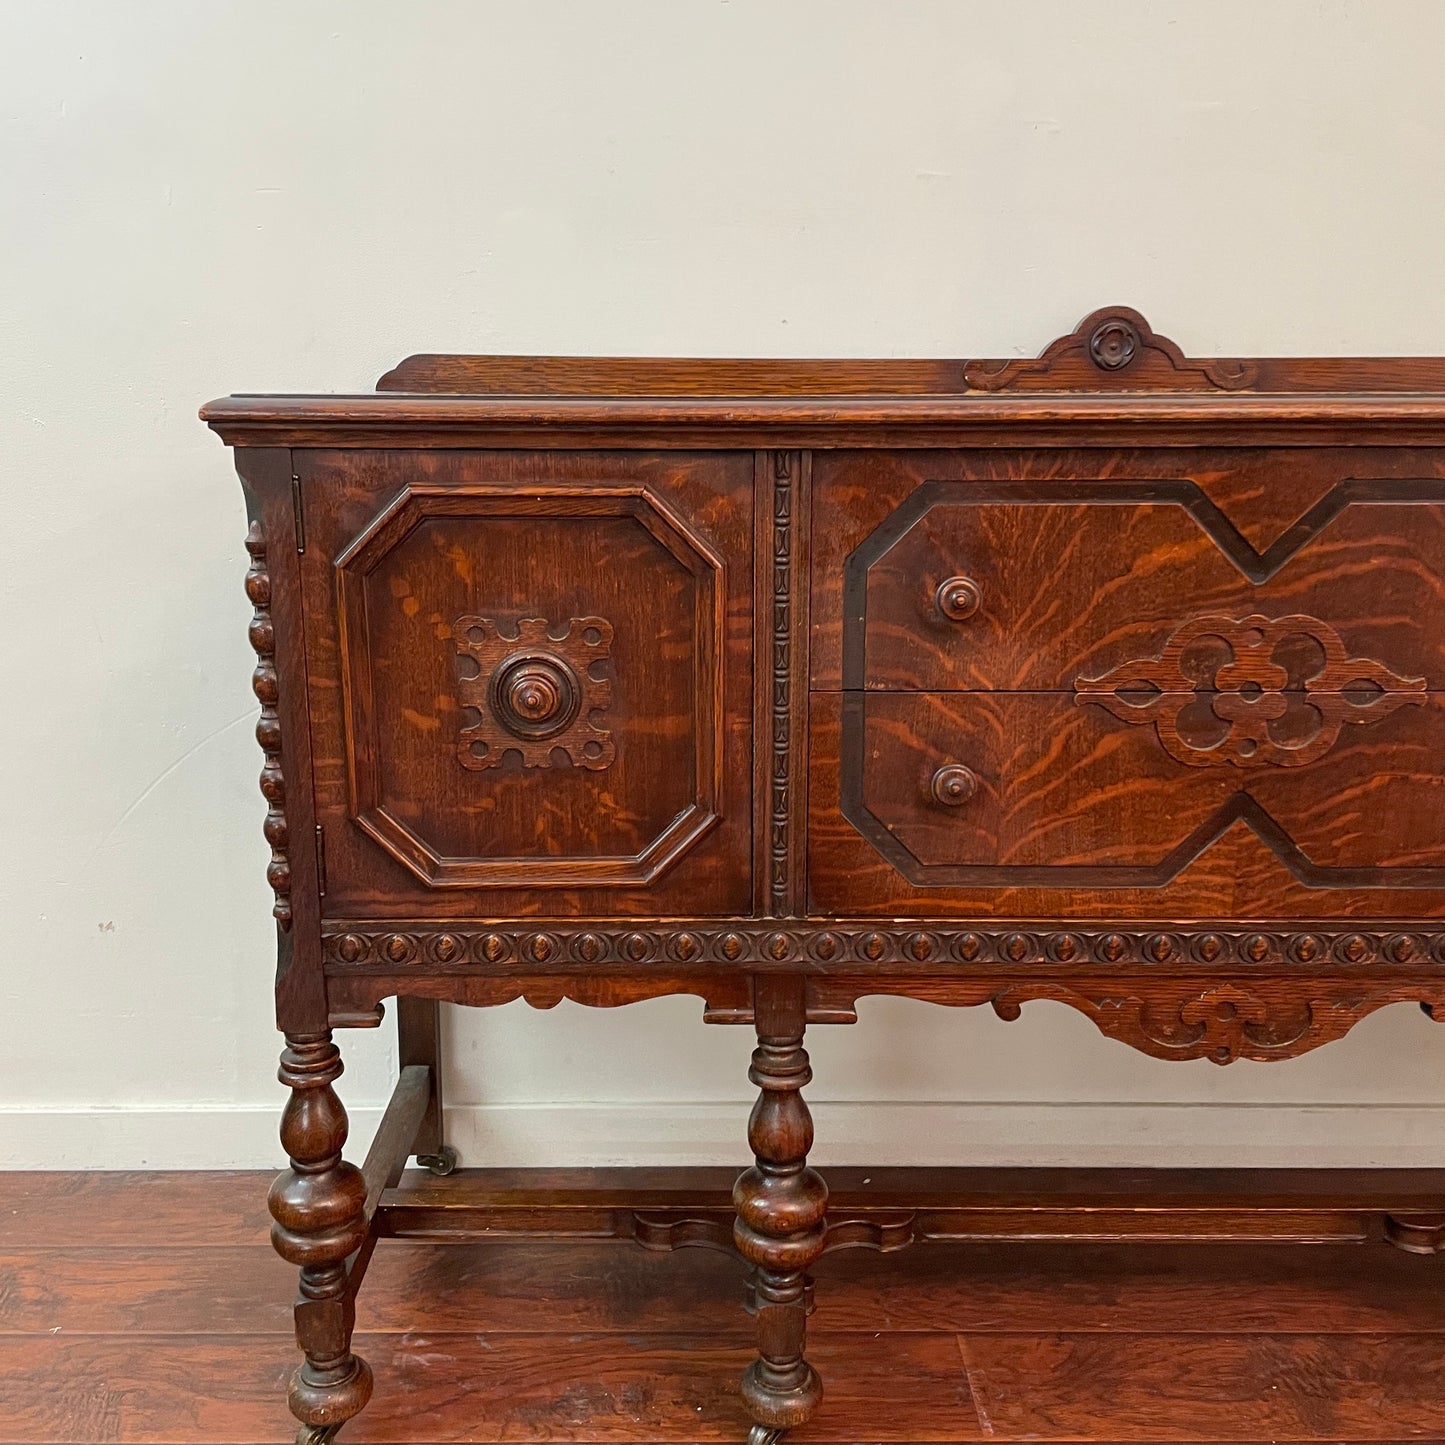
[
  {"x": 318, "y": 1206},
  {"x": 781, "y": 1205}
]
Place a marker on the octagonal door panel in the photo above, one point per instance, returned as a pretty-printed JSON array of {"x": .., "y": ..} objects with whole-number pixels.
[{"x": 529, "y": 678}]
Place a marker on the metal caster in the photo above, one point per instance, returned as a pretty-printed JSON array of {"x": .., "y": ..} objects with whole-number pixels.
[
  {"x": 765, "y": 1435},
  {"x": 440, "y": 1164},
  {"x": 316, "y": 1434}
]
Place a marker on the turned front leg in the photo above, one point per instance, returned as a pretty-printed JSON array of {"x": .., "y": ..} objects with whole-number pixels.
[
  {"x": 318, "y": 1205},
  {"x": 781, "y": 1205}
]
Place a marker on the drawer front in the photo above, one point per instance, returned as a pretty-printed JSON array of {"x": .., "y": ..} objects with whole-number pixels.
[
  {"x": 1033, "y": 805},
  {"x": 1120, "y": 694},
  {"x": 1073, "y": 563},
  {"x": 1034, "y": 592},
  {"x": 530, "y": 681}
]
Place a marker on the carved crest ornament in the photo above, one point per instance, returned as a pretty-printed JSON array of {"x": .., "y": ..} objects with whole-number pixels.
[
  {"x": 533, "y": 691},
  {"x": 1251, "y": 690}
]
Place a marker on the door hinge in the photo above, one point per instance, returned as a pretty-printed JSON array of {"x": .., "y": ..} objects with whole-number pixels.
[
  {"x": 320, "y": 860},
  {"x": 296, "y": 508}
]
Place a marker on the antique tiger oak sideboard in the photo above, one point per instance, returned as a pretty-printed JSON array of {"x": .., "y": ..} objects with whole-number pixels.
[{"x": 1112, "y": 677}]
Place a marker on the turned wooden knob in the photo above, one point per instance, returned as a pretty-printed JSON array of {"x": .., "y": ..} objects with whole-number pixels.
[
  {"x": 958, "y": 598},
  {"x": 954, "y": 785},
  {"x": 535, "y": 696}
]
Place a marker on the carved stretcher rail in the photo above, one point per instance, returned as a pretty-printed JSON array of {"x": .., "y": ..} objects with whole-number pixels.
[{"x": 895, "y": 1208}]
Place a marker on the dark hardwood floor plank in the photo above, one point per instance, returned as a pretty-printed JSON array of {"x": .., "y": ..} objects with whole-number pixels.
[
  {"x": 536, "y": 1287},
  {"x": 73, "y": 1210},
  {"x": 148, "y": 1309},
  {"x": 454, "y": 1388},
  {"x": 1133, "y": 1288},
  {"x": 164, "y": 1390},
  {"x": 509, "y": 1288},
  {"x": 221, "y": 1290},
  {"x": 1224, "y": 1387}
]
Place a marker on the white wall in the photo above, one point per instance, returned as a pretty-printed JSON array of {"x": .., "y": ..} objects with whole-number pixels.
[{"x": 200, "y": 197}]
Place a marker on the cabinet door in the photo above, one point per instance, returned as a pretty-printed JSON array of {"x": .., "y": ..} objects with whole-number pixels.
[
  {"x": 529, "y": 676},
  {"x": 1188, "y": 684}
]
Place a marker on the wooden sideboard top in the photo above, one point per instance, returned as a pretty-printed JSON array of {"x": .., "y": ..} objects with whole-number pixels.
[{"x": 1110, "y": 379}]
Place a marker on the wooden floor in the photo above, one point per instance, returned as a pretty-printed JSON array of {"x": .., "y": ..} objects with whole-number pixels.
[{"x": 150, "y": 1308}]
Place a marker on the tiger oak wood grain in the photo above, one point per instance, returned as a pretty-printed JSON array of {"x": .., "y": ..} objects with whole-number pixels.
[
  {"x": 1046, "y": 609},
  {"x": 1071, "y": 590},
  {"x": 1070, "y": 787},
  {"x": 1067, "y": 785}
]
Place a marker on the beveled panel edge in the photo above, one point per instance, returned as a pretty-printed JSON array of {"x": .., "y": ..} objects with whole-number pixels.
[{"x": 643, "y": 503}]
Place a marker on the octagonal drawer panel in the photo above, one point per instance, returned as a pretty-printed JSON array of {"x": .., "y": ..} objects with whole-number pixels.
[
  {"x": 530, "y": 680},
  {"x": 1036, "y": 803}
]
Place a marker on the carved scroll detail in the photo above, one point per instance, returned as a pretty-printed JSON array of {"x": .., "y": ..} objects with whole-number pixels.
[
  {"x": 1115, "y": 349},
  {"x": 1221, "y": 1024},
  {"x": 533, "y": 692},
  {"x": 1164, "y": 1015},
  {"x": 1235, "y": 690},
  {"x": 265, "y": 685}
]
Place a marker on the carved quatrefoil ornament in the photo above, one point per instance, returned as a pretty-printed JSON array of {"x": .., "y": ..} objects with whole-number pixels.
[
  {"x": 533, "y": 692},
  {"x": 1251, "y": 690}
]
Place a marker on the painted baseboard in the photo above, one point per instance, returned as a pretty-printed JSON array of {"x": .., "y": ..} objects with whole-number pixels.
[{"x": 1101, "y": 1134}]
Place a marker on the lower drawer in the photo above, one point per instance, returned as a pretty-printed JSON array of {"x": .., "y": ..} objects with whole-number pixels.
[{"x": 1040, "y": 804}]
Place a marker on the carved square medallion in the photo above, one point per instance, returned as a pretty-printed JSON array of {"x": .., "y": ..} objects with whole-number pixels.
[{"x": 533, "y": 692}]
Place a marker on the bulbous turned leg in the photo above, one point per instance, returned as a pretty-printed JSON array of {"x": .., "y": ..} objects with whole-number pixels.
[
  {"x": 781, "y": 1205},
  {"x": 318, "y": 1206}
]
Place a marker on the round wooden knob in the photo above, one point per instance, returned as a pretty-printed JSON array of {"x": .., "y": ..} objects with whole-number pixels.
[
  {"x": 954, "y": 785},
  {"x": 958, "y": 598},
  {"x": 535, "y": 696}
]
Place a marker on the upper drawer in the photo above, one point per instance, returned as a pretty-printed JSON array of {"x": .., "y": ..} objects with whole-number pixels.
[{"x": 1037, "y": 572}]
